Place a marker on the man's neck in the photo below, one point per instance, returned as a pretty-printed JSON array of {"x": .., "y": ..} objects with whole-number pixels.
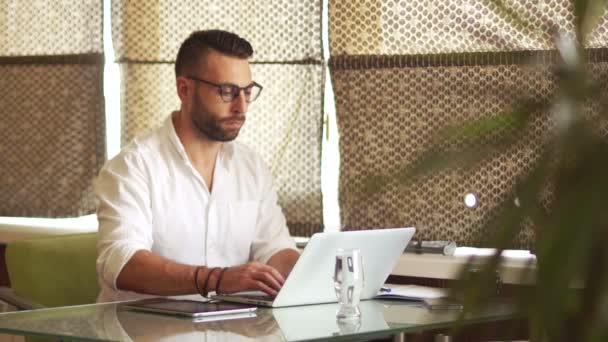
[{"x": 201, "y": 151}]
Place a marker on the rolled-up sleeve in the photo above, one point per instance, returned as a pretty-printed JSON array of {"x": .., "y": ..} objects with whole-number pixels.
[
  {"x": 272, "y": 234},
  {"x": 124, "y": 214}
]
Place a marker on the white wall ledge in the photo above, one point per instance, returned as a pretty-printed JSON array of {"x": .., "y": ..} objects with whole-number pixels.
[
  {"x": 18, "y": 228},
  {"x": 517, "y": 267}
]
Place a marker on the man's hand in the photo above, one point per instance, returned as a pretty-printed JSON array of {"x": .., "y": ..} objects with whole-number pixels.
[
  {"x": 251, "y": 276},
  {"x": 284, "y": 261}
]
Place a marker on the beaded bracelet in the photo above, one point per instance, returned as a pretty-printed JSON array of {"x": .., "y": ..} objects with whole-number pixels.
[
  {"x": 205, "y": 288},
  {"x": 219, "y": 280}
]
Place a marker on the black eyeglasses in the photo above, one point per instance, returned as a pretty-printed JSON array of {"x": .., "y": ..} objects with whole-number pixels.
[{"x": 229, "y": 92}]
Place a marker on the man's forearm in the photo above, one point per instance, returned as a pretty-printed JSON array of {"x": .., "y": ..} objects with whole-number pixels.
[
  {"x": 148, "y": 273},
  {"x": 284, "y": 261}
]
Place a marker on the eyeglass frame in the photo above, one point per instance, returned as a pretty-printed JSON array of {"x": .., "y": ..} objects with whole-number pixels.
[{"x": 233, "y": 94}]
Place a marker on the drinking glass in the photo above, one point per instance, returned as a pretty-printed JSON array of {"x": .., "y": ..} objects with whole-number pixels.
[
  {"x": 348, "y": 282},
  {"x": 349, "y": 326}
]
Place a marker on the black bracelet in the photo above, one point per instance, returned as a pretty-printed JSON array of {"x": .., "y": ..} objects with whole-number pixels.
[
  {"x": 198, "y": 289},
  {"x": 205, "y": 291},
  {"x": 219, "y": 280}
]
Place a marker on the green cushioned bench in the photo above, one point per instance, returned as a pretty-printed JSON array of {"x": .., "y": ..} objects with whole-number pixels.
[{"x": 54, "y": 271}]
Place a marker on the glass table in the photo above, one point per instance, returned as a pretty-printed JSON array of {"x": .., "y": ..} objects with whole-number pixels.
[{"x": 113, "y": 322}]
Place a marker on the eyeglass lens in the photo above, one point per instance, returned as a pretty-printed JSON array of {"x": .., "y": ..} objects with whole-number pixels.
[{"x": 230, "y": 92}]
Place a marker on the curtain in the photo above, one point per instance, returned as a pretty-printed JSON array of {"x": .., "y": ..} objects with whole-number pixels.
[
  {"x": 284, "y": 125},
  {"x": 403, "y": 69},
  {"x": 52, "y": 134}
]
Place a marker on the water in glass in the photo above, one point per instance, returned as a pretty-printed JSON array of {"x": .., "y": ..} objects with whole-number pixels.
[{"x": 348, "y": 282}]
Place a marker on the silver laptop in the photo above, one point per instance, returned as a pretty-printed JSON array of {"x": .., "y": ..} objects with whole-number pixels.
[{"x": 310, "y": 281}]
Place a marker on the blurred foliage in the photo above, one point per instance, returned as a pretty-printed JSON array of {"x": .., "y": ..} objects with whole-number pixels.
[{"x": 568, "y": 300}]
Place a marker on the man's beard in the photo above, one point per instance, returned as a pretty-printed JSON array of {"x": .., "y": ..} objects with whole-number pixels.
[{"x": 210, "y": 127}]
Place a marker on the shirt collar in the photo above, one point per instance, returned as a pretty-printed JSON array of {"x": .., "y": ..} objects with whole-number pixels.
[{"x": 171, "y": 134}]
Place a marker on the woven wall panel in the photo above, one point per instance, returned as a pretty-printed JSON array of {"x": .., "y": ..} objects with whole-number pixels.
[
  {"x": 279, "y": 30},
  {"x": 284, "y": 125},
  {"x": 148, "y": 95},
  {"x": 52, "y": 138},
  {"x": 58, "y": 27},
  {"x": 387, "y": 116},
  {"x": 403, "y": 27}
]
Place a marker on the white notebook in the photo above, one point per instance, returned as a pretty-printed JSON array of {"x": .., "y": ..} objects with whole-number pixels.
[
  {"x": 431, "y": 297},
  {"x": 411, "y": 292}
]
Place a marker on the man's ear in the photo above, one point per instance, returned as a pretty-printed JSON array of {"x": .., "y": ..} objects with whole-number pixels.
[{"x": 182, "y": 85}]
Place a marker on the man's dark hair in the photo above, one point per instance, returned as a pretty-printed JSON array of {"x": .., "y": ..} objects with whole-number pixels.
[{"x": 200, "y": 42}]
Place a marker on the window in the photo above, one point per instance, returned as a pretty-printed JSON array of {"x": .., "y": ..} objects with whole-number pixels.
[{"x": 330, "y": 155}]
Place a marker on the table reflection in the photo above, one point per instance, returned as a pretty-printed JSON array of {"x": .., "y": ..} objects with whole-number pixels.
[
  {"x": 121, "y": 324},
  {"x": 315, "y": 321},
  {"x": 111, "y": 321},
  {"x": 291, "y": 323}
]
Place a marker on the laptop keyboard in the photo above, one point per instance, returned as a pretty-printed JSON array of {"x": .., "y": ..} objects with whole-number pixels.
[{"x": 258, "y": 297}]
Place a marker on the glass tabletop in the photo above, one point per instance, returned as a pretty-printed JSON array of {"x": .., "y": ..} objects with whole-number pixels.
[{"x": 113, "y": 322}]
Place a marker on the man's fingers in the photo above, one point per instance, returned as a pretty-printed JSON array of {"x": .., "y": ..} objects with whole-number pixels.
[
  {"x": 268, "y": 279},
  {"x": 261, "y": 286},
  {"x": 276, "y": 274},
  {"x": 256, "y": 276}
]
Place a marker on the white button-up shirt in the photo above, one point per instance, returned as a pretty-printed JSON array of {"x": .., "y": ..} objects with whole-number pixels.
[{"x": 152, "y": 198}]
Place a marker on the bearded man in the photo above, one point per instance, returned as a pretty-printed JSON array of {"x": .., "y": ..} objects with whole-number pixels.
[{"x": 186, "y": 209}]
